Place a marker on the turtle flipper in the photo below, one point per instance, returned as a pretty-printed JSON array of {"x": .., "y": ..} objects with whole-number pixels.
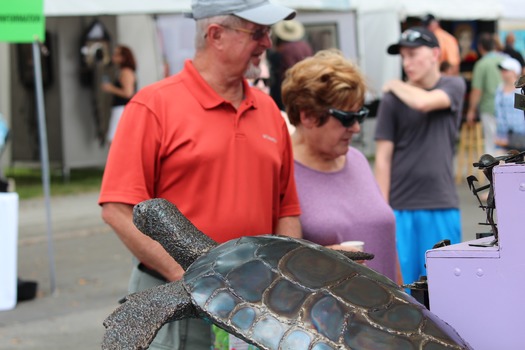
[
  {"x": 163, "y": 221},
  {"x": 134, "y": 324}
]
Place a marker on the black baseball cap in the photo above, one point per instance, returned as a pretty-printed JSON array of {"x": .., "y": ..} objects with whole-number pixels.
[{"x": 414, "y": 37}]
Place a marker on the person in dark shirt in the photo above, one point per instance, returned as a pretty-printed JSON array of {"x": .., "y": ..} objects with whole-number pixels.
[
  {"x": 290, "y": 48},
  {"x": 509, "y": 49},
  {"x": 416, "y": 130}
]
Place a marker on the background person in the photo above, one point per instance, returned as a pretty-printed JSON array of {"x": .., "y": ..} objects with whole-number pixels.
[
  {"x": 206, "y": 141},
  {"x": 290, "y": 48},
  {"x": 509, "y": 49},
  {"x": 446, "y": 69},
  {"x": 123, "y": 88},
  {"x": 485, "y": 79},
  {"x": 510, "y": 121},
  {"x": 416, "y": 132},
  {"x": 340, "y": 199},
  {"x": 447, "y": 43}
]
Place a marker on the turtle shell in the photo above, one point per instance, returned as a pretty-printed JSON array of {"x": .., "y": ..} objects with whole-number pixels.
[{"x": 284, "y": 293}]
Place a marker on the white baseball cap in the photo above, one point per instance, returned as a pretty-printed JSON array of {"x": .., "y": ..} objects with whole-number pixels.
[
  {"x": 261, "y": 12},
  {"x": 511, "y": 64}
]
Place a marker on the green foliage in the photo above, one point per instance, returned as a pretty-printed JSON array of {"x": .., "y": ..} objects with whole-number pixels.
[{"x": 28, "y": 181}]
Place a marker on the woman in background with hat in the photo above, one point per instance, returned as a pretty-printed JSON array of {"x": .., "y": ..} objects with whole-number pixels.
[{"x": 290, "y": 48}]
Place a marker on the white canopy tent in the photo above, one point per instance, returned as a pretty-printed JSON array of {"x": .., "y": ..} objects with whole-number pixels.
[
  {"x": 61, "y": 8},
  {"x": 453, "y": 10},
  {"x": 119, "y": 7},
  {"x": 512, "y": 9},
  {"x": 446, "y": 9},
  {"x": 512, "y": 15}
]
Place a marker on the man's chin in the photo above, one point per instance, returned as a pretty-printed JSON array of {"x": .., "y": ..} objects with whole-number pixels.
[{"x": 252, "y": 72}]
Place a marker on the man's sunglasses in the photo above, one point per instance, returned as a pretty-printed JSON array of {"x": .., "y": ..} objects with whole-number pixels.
[
  {"x": 256, "y": 34},
  {"x": 348, "y": 119},
  {"x": 412, "y": 35}
]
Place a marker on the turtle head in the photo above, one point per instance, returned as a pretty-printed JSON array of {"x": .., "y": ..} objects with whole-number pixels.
[{"x": 162, "y": 221}]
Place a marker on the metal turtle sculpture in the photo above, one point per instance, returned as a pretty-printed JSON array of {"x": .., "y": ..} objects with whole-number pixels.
[{"x": 274, "y": 292}]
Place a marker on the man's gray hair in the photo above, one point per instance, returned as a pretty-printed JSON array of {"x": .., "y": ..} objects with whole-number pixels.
[{"x": 202, "y": 27}]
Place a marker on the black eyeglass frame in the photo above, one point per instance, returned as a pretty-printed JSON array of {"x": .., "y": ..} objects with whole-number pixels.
[
  {"x": 348, "y": 119},
  {"x": 256, "y": 34}
]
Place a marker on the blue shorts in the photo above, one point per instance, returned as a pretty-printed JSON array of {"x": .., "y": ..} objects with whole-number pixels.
[{"x": 418, "y": 231}]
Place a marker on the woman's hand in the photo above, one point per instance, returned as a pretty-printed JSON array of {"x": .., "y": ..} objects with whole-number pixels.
[{"x": 348, "y": 249}]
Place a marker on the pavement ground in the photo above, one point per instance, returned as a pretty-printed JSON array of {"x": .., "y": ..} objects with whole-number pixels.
[{"x": 92, "y": 270}]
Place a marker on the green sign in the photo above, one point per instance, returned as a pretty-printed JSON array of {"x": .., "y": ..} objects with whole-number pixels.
[{"x": 22, "y": 21}]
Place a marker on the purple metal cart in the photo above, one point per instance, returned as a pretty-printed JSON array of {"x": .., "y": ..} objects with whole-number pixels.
[{"x": 480, "y": 290}]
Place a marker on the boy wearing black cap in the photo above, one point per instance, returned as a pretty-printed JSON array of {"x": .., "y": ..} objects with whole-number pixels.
[{"x": 417, "y": 125}]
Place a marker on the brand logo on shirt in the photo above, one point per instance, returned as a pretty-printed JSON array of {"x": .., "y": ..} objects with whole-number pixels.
[{"x": 268, "y": 137}]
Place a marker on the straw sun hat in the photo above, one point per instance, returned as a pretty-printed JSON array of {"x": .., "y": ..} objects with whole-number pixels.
[{"x": 291, "y": 30}]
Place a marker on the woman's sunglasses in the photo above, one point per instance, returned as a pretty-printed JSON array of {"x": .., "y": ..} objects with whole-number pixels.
[{"x": 348, "y": 119}]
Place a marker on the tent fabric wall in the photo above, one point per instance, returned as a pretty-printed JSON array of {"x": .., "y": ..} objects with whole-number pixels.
[
  {"x": 378, "y": 66},
  {"x": 346, "y": 28},
  {"x": 325, "y": 5},
  {"x": 176, "y": 37},
  {"x": 139, "y": 33}
]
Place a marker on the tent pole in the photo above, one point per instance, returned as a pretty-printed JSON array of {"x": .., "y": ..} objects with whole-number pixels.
[{"x": 44, "y": 158}]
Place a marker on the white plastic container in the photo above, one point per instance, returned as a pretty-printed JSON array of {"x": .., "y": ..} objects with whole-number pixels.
[{"x": 8, "y": 249}]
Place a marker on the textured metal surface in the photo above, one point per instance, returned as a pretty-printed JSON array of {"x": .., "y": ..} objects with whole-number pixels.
[
  {"x": 485, "y": 281},
  {"x": 163, "y": 222},
  {"x": 519, "y": 101},
  {"x": 276, "y": 293},
  {"x": 134, "y": 324}
]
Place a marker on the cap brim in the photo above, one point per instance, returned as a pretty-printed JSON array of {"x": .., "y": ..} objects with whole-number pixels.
[
  {"x": 394, "y": 48},
  {"x": 267, "y": 14}
]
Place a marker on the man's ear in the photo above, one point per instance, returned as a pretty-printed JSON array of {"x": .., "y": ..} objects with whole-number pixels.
[
  {"x": 214, "y": 34},
  {"x": 437, "y": 52}
]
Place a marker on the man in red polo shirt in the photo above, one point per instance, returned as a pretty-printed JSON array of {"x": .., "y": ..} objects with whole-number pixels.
[{"x": 207, "y": 142}]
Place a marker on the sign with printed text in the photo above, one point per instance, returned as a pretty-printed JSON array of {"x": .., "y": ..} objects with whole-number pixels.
[{"x": 22, "y": 21}]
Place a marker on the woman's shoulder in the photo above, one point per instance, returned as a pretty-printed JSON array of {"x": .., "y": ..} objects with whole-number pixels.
[
  {"x": 354, "y": 153},
  {"x": 127, "y": 70}
]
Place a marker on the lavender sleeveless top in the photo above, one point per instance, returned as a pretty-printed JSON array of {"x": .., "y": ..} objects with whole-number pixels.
[{"x": 347, "y": 205}]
